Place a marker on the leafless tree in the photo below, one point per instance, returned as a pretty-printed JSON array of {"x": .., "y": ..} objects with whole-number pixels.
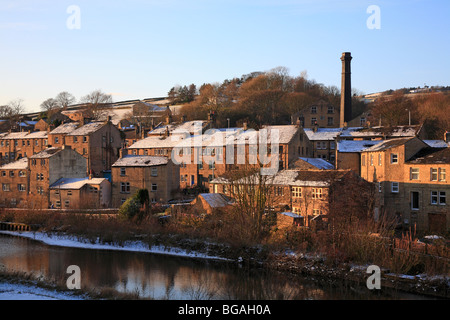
[
  {"x": 96, "y": 102},
  {"x": 64, "y": 99}
]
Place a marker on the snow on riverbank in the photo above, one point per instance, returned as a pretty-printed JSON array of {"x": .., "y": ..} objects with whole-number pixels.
[
  {"x": 136, "y": 246},
  {"x": 18, "y": 291}
]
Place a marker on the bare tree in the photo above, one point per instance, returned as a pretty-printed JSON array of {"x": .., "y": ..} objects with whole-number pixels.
[
  {"x": 49, "y": 105},
  {"x": 64, "y": 99},
  {"x": 96, "y": 101}
]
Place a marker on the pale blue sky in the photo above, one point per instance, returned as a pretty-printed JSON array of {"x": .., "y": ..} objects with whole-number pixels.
[{"x": 140, "y": 49}]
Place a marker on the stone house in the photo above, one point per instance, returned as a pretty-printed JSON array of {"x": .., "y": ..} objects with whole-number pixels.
[
  {"x": 15, "y": 145},
  {"x": 306, "y": 193},
  {"x": 99, "y": 143},
  {"x": 47, "y": 167},
  {"x": 15, "y": 183},
  {"x": 156, "y": 174},
  {"x": 321, "y": 114},
  {"x": 208, "y": 202},
  {"x": 80, "y": 193},
  {"x": 411, "y": 182}
]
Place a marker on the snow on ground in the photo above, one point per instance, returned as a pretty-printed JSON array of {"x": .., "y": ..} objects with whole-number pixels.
[
  {"x": 137, "y": 246},
  {"x": 17, "y": 291}
]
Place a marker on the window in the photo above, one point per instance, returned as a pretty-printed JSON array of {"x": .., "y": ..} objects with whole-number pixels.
[
  {"x": 22, "y": 173},
  {"x": 330, "y": 109},
  {"x": 40, "y": 190},
  {"x": 394, "y": 187},
  {"x": 11, "y": 173},
  {"x": 313, "y": 121},
  {"x": 330, "y": 121},
  {"x": 75, "y": 139},
  {"x": 317, "y": 193},
  {"x": 200, "y": 165},
  {"x": 394, "y": 158},
  {"x": 414, "y": 174},
  {"x": 362, "y": 121},
  {"x": 379, "y": 159},
  {"x": 84, "y": 139},
  {"x": 332, "y": 145},
  {"x": 67, "y": 203},
  {"x": 363, "y": 160},
  {"x": 442, "y": 198},
  {"x": 279, "y": 191},
  {"x": 442, "y": 174},
  {"x": 434, "y": 197},
  {"x": 154, "y": 172},
  {"x": 124, "y": 187},
  {"x": 296, "y": 192},
  {"x": 212, "y": 165},
  {"x": 56, "y": 140},
  {"x": 379, "y": 187},
  {"x": 371, "y": 159},
  {"x": 313, "y": 109},
  {"x": 433, "y": 174},
  {"x": 5, "y": 186},
  {"x": 154, "y": 187},
  {"x": 69, "y": 192},
  {"x": 123, "y": 171},
  {"x": 317, "y": 212},
  {"x": 414, "y": 200}
]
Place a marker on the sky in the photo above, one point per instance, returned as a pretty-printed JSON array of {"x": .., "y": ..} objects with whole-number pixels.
[{"x": 139, "y": 49}]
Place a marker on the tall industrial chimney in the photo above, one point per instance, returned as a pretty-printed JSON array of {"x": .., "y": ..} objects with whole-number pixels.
[{"x": 346, "y": 90}]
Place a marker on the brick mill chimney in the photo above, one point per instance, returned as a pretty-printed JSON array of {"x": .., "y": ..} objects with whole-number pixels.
[{"x": 346, "y": 90}]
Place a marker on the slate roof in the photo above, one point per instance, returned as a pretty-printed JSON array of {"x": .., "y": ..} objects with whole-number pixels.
[
  {"x": 140, "y": 161},
  {"x": 76, "y": 183},
  {"x": 431, "y": 156}
]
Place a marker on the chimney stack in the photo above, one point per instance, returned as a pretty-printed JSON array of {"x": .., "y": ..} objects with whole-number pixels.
[{"x": 346, "y": 90}]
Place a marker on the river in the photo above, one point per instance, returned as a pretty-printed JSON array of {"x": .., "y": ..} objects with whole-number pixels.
[{"x": 158, "y": 276}]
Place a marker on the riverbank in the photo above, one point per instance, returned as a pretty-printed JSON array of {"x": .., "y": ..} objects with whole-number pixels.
[{"x": 289, "y": 262}]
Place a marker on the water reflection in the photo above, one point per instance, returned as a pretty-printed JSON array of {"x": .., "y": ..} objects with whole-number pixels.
[{"x": 166, "y": 277}]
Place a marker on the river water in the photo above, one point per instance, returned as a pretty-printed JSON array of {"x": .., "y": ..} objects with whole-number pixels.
[{"x": 159, "y": 276}]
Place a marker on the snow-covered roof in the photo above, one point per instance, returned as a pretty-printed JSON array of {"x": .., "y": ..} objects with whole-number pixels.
[
  {"x": 292, "y": 177},
  {"x": 388, "y": 144},
  {"x": 140, "y": 161},
  {"x": 356, "y": 145},
  {"x": 380, "y": 131},
  {"x": 186, "y": 128},
  {"x": 318, "y": 163},
  {"x": 322, "y": 134},
  {"x": 216, "y": 200},
  {"x": 291, "y": 214},
  {"x": 76, "y": 183},
  {"x": 436, "y": 143},
  {"x": 65, "y": 128},
  {"x": 46, "y": 153},
  {"x": 87, "y": 129},
  {"x": 25, "y": 135},
  {"x": 21, "y": 163}
]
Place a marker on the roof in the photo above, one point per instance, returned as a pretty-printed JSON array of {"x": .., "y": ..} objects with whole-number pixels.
[
  {"x": 219, "y": 137},
  {"x": 25, "y": 135},
  {"x": 430, "y": 155},
  {"x": 47, "y": 153},
  {"x": 380, "y": 131},
  {"x": 436, "y": 143},
  {"x": 185, "y": 128},
  {"x": 22, "y": 163},
  {"x": 292, "y": 177},
  {"x": 318, "y": 163},
  {"x": 356, "y": 145},
  {"x": 76, "y": 183},
  {"x": 322, "y": 133},
  {"x": 140, "y": 161},
  {"x": 388, "y": 144},
  {"x": 87, "y": 129},
  {"x": 65, "y": 128},
  {"x": 216, "y": 200},
  {"x": 291, "y": 214}
]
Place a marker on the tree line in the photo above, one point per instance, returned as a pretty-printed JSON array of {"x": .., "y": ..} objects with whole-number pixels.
[{"x": 261, "y": 98}]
